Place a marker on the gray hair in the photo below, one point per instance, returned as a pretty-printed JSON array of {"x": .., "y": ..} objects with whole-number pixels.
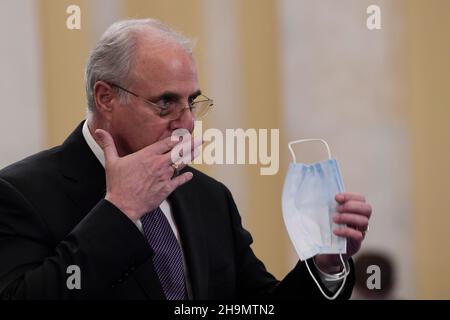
[{"x": 112, "y": 59}]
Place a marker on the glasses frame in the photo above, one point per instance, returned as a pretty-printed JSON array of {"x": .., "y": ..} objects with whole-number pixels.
[{"x": 156, "y": 106}]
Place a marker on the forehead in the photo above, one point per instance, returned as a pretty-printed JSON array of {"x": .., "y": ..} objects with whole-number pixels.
[{"x": 165, "y": 66}]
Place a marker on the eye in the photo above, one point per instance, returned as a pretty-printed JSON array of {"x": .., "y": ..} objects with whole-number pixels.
[{"x": 165, "y": 103}]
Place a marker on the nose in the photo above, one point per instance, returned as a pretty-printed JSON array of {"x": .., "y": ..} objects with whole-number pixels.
[{"x": 184, "y": 121}]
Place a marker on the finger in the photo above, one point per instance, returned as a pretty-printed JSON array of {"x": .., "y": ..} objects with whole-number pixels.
[
  {"x": 168, "y": 173},
  {"x": 187, "y": 159},
  {"x": 163, "y": 146},
  {"x": 183, "y": 162},
  {"x": 346, "y": 196},
  {"x": 191, "y": 155},
  {"x": 349, "y": 233},
  {"x": 357, "y": 207},
  {"x": 186, "y": 151},
  {"x": 189, "y": 146},
  {"x": 196, "y": 143},
  {"x": 180, "y": 180},
  {"x": 106, "y": 142},
  {"x": 360, "y": 222}
]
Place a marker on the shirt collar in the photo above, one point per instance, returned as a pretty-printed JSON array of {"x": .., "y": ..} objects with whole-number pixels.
[{"x": 93, "y": 145}]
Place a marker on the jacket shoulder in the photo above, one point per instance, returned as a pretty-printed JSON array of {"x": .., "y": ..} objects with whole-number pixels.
[
  {"x": 202, "y": 180},
  {"x": 37, "y": 167}
]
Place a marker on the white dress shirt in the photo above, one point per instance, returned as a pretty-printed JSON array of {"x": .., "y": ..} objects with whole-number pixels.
[{"x": 327, "y": 279}]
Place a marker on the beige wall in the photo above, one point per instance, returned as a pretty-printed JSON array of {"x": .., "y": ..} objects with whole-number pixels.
[
  {"x": 429, "y": 59},
  {"x": 262, "y": 108},
  {"x": 64, "y": 57}
]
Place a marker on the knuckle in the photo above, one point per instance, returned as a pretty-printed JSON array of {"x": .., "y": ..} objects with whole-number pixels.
[
  {"x": 167, "y": 188},
  {"x": 160, "y": 162},
  {"x": 360, "y": 236},
  {"x": 354, "y": 204},
  {"x": 169, "y": 173},
  {"x": 163, "y": 173},
  {"x": 362, "y": 223}
]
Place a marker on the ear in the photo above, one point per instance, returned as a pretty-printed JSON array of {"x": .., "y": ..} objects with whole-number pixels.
[{"x": 104, "y": 98}]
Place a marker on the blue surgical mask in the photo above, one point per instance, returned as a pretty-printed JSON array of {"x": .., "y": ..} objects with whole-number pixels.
[{"x": 309, "y": 204}]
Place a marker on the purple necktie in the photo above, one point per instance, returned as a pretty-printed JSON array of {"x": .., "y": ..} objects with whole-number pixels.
[{"x": 168, "y": 258}]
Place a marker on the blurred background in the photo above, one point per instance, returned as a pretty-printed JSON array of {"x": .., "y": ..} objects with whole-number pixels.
[{"x": 311, "y": 68}]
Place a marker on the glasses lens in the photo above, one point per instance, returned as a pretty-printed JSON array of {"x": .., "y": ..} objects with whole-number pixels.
[{"x": 201, "y": 108}]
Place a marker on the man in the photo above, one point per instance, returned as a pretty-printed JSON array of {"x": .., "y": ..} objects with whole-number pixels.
[{"x": 113, "y": 203}]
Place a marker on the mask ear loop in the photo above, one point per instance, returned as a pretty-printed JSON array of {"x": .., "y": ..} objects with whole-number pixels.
[
  {"x": 294, "y": 158},
  {"x": 345, "y": 271},
  {"x": 343, "y": 278}
]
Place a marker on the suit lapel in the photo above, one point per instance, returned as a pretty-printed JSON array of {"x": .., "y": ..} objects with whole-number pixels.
[
  {"x": 84, "y": 174},
  {"x": 186, "y": 210}
]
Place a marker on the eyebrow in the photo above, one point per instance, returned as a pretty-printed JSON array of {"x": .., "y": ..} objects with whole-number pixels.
[{"x": 173, "y": 95}]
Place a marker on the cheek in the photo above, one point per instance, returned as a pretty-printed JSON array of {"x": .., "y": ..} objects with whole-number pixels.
[
  {"x": 148, "y": 132},
  {"x": 136, "y": 130}
]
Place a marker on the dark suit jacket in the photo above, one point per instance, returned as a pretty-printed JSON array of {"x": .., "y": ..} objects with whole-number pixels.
[{"x": 53, "y": 215}]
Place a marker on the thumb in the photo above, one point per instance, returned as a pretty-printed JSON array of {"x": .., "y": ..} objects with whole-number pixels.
[{"x": 106, "y": 142}]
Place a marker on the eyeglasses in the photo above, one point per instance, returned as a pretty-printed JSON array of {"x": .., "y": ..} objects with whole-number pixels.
[{"x": 171, "y": 110}]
